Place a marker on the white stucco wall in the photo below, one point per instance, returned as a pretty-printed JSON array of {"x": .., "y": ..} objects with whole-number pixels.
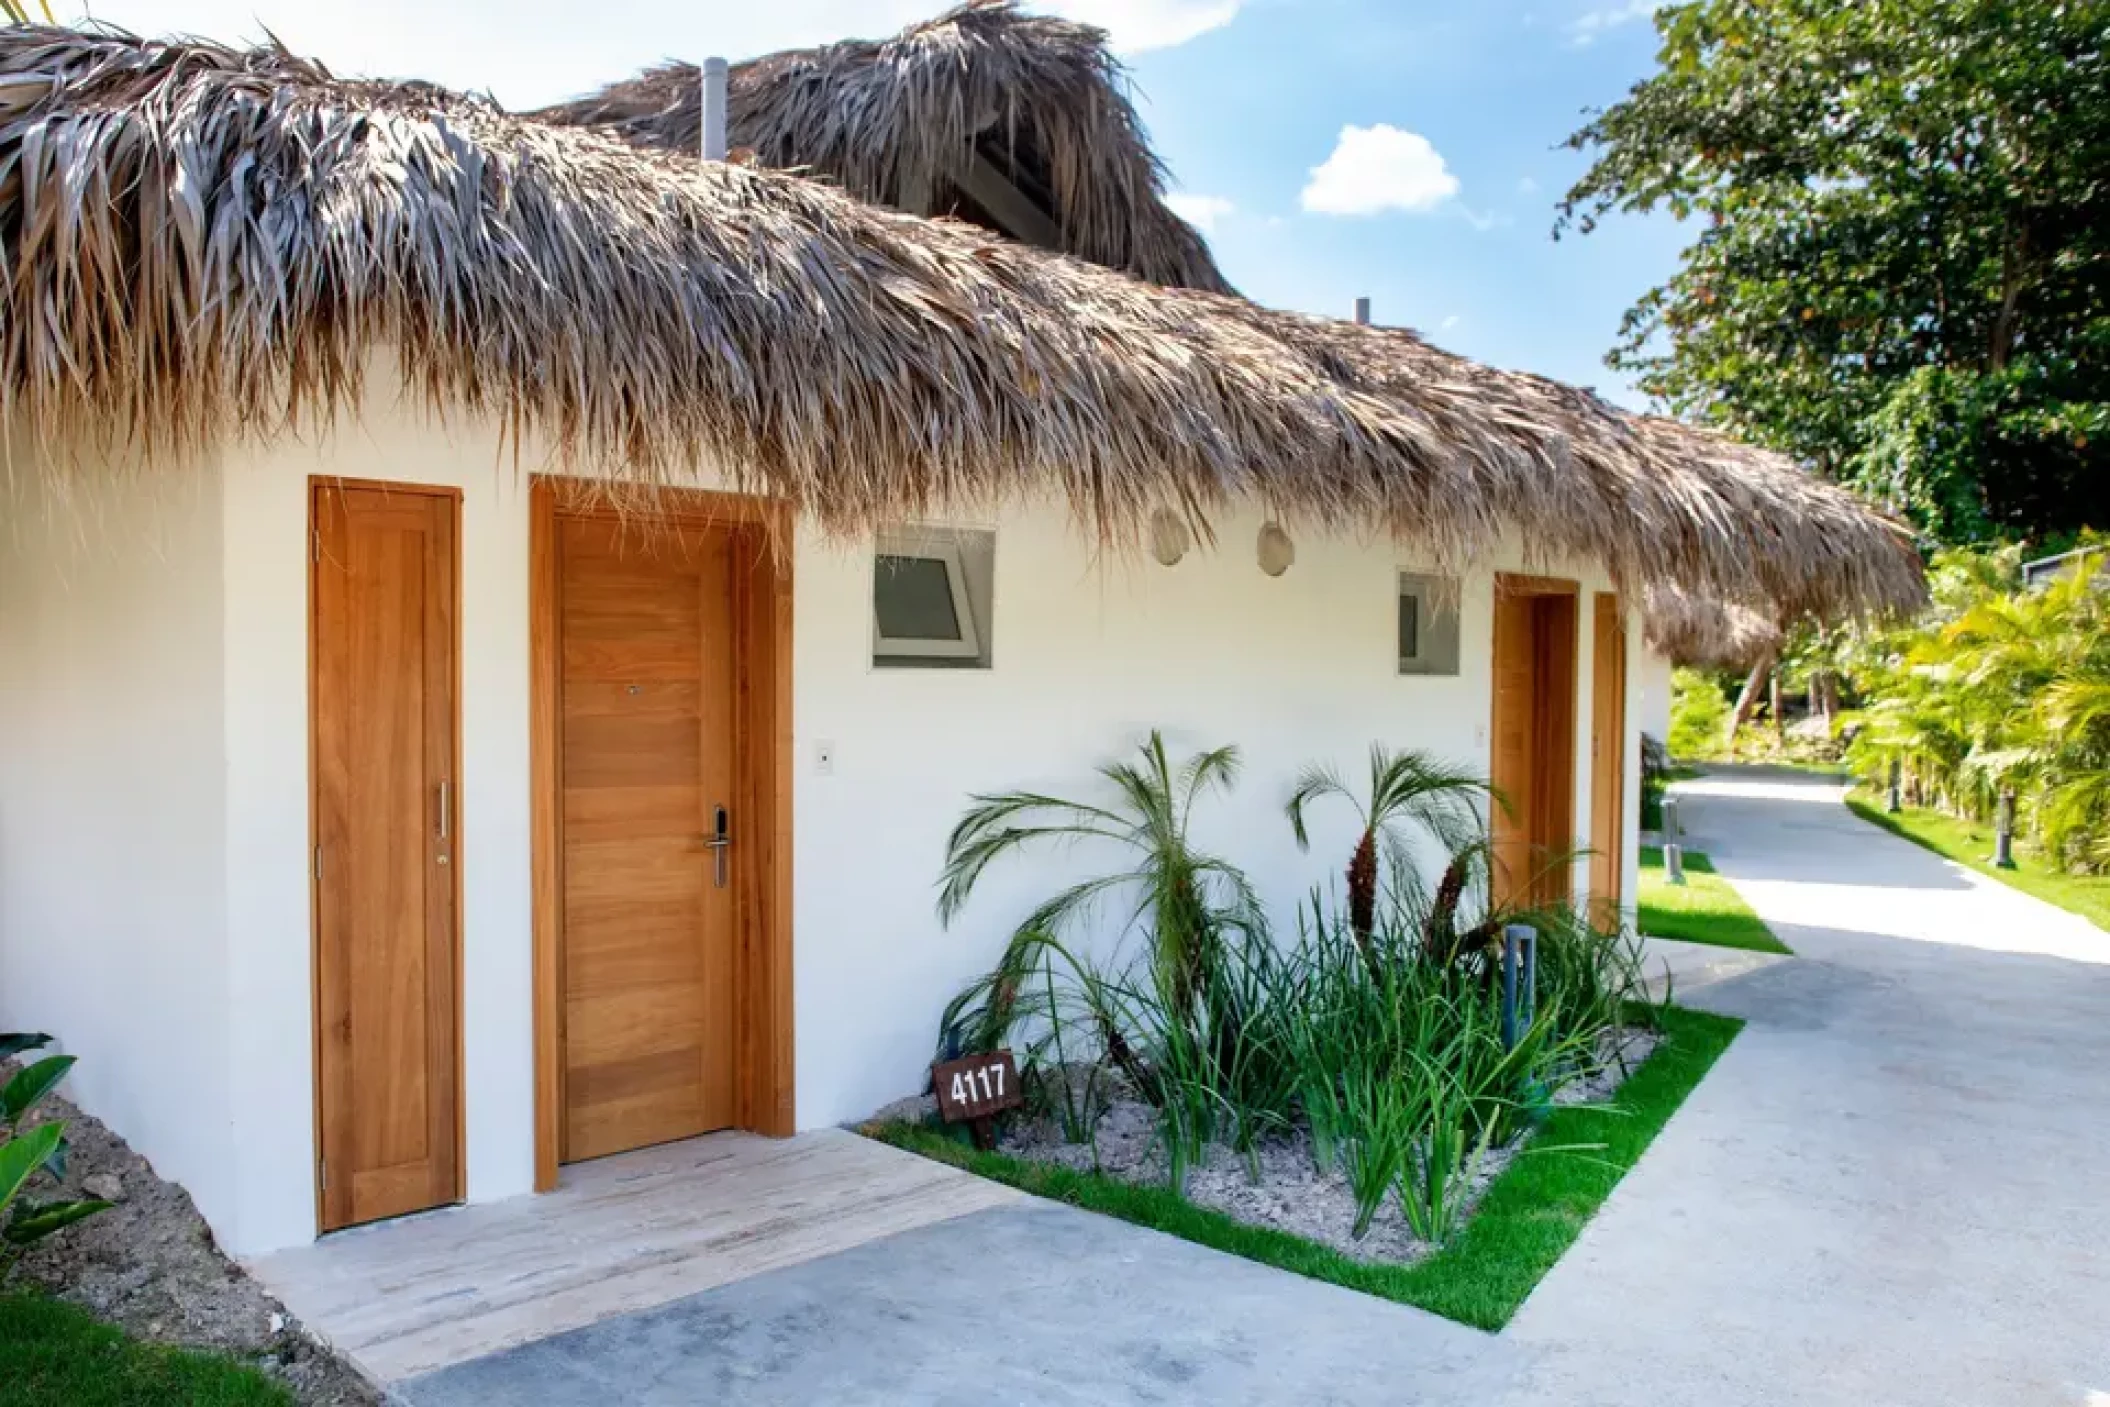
[
  {"x": 113, "y": 853},
  {"x": 1089, "y": 656},
  {"x": 1651, "y": 683}
]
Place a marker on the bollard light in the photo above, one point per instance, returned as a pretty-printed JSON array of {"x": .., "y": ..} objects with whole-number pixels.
[
  {"x": 1520, "y": 980},
  {"x": 2004, "y": 831},
  {"x": 1673, "y": 843}
]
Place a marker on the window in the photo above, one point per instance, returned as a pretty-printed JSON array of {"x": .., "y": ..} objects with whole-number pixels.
[
  {"x": 1428, "y": 624},
  {"x": 930, "y": 598}
]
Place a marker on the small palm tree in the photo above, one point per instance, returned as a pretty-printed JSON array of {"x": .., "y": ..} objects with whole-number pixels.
[
  {"x": 1406, "y": 789},
  {"x": 18, "y": 13},
  {"x": 1185, "y": 901}
]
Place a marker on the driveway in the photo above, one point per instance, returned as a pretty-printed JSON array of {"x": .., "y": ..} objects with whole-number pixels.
[{"x": 1890, "y": 1190}]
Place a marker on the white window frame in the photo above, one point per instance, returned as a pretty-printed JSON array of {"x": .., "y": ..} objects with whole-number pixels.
[{"x": 940, "y": 548}]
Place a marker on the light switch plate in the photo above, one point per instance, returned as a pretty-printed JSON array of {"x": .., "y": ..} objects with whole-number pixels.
[{"x": 824, "y": 759}]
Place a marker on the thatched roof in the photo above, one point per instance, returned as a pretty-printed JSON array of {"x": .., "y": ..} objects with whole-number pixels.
[
  {"x": 207, "y": 243},
  {"x": 1038, "y": 100},
  {"x": 1707, "y": 634}
]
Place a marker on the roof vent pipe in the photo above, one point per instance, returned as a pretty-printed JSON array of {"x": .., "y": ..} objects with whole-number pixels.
[
  {"x": 1362, "y": 311},
  {"x": 714, "y": 109}
]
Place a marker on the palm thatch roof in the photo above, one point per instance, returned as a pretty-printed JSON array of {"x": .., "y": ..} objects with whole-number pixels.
[
  {"x": 1707, "y": 634},
  {"x": 209, "y": 243},
  {"x": 962, "y": 115}
]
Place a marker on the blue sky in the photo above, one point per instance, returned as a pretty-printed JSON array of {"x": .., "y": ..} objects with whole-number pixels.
[{"x": 1433, "y": 128}]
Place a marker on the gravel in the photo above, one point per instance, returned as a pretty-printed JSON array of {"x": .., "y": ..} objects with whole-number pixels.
[
  {"x": 149, "y": 1265},
  {"x": 1279, "y": 1185}
]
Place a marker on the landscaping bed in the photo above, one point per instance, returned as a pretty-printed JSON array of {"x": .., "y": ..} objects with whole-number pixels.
[
  {"x": 149, "y": 1267},
  {"x": 1528, "y": 1205}
]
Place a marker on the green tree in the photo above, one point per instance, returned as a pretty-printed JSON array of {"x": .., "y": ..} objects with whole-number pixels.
[{"x": 1902, "y": 275}]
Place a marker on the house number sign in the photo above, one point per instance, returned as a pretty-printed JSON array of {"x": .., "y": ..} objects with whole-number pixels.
[{"x": 975, "y": 1089}]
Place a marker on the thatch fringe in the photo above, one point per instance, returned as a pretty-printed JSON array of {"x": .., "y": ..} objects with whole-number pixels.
[
  {"x": 1041, "y": 97},
  {"x": 206, "y": 242},
  {"x": 1689, "y": 630}
]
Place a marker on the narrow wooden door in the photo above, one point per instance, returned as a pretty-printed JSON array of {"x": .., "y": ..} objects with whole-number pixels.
[
  {"x": 383, "y": 647},
  {"x": 1608, "y": 760},
  {"x": 1532, "y": 738},
  {"x": 648, "y": 732}
]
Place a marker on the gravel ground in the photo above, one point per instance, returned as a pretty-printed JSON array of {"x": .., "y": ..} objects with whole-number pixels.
[
  {"x": 1279, "y": 1184},
  {"x": 149, "y": 1265}
]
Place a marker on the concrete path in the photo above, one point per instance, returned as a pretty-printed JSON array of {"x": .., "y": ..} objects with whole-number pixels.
[{"x": 1893, "y": 1189}]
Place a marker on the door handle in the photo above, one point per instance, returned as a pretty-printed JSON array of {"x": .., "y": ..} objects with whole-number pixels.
[
  {"x": 446, "y": 806},
  {"x": 719, "y": 841}
]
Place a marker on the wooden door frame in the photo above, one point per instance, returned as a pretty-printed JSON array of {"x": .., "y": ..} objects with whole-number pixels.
[
  {"x": 1608, "y": 756},
  {"x": 1554, "y": 723},
  {"x": 318, "y": 484},
  {"x": 763, "y": 1043}
]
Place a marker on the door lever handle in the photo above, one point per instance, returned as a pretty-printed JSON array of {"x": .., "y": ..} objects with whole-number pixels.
[{"x": 719, "y": 841}]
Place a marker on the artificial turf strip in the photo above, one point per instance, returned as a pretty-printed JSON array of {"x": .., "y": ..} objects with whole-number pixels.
[
  {"x": 54, "y": 1353},
  {"x": 1705, "y": 909},
  {"x": 1971, "y": 845},
  {"x": 1528, "y": 1219}
]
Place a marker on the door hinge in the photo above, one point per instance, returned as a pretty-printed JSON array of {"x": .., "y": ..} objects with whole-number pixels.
[
  {"x": 315, "y": 544},
  {"x": 322, "y": 1172},
  {"x": 318, "y": 862}
]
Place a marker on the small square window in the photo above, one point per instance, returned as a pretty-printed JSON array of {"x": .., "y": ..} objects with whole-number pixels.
[
  {"x": 930, "y": 598},
  {"x": 1428, "y": 624}
]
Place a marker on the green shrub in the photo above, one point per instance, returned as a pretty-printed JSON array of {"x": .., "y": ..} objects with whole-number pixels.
[
  {"x": 1699, "y": 713},
  {"x": 1380, "y": 1028},
  {"x": 26, "y": 1155}
]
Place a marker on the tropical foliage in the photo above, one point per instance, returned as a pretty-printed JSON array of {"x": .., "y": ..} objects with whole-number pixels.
[
  {"x": 28, "y": 1154},
  {"x": 1999, "y": 688},
  {"x": 1379, "y": 1033},
  {"x": 1898, "y": 275}
]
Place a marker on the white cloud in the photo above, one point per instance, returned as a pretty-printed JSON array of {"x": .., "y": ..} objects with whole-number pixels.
[
  {"x": 1449, "y": 322},
  {"x": 1379, "y": 168},
  {"x": 1584, "y": 29},
  {"x": 1527, "y": 186},
  {"x": 1137, "y": 25},
  {"x": 1200, "y": 211}
]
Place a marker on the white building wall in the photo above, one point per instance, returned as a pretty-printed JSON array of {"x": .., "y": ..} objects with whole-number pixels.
[
  {"x": 1089, "y": 655},
  {"x": 1652, "y": 681},
  {"x": 113, "y": 856}
]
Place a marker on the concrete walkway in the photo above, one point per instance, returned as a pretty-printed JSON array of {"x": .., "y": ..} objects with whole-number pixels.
[{"x": 1893, "y": 1189}]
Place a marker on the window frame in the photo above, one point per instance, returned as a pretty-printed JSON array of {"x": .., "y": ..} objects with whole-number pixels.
[
  {"x": 944, "y": 549},
  {"x": 1429, "y": 625}
]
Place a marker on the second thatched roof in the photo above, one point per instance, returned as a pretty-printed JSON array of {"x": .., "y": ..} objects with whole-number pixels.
[
  {"x": 1708, "y": 634},
  {"x": 210, "y": 243},
  {"x": 1040, "y": 100}
]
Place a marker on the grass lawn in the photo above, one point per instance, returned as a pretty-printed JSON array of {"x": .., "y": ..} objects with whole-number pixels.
[
  {"x": 1704, "y": 910},
  {"x": 52, "y": 1353},
  {"x": 1969, "y": 843},
  {"x": 1531, "y": 1215}
]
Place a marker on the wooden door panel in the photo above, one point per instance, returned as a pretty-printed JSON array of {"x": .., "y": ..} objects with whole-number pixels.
[
  {"x": 383, "y": 736},
  {"x": 646, "y": 662},
  {"x": 1532, "y": 738}
]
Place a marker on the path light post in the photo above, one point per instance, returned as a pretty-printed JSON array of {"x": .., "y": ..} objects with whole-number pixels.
[
  {"x": 1520, "y": 949},
  {"x": 1673, "y": 843},
  {"x": 2004, "y": 831},
  {"x": 1896, "y": 804}
]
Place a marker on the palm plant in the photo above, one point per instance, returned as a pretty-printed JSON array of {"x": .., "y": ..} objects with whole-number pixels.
[
  {"x": 1408, "y": 790},
  {"x": 18, "y": 13},
  {"x": 1186, "y": 902}
]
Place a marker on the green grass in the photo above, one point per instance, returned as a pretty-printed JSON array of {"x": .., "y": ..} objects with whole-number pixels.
[
  {"x": 51, "y": 1353},
  {"x": 1528, "y": 1219},
  {"x": 1969, "y": 843},
  {"x": 1704, "y": 910}
]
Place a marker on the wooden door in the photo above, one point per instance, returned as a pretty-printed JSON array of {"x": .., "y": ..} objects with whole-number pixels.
[
  {"x": 1608, "y": 760},
  {"x": 383, "y": 644},
  {"x": 1532, "y": 737},
  {"x": 647, "y": 651}
]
